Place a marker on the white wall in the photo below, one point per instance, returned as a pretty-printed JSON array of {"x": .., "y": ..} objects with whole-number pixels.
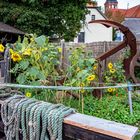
[{"x": 95, "y": 32}]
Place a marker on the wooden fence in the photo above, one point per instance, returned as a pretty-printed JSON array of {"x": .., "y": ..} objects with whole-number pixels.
[{"x": 97, "y": 48}]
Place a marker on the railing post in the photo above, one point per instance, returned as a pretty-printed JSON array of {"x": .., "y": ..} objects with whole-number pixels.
[{"x": 130, "y": 97}]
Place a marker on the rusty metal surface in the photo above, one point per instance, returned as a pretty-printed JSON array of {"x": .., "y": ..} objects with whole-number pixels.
[{"x": 129, "y": 41}]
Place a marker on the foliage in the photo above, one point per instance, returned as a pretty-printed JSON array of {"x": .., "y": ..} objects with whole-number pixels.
[
  {"x": 82, "y": 70},
  {"x": 38, "y": 61},
  {"x": 51, "y": 17}
]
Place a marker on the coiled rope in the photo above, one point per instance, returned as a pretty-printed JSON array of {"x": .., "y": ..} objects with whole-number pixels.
[{"x": 35, "y": 120}]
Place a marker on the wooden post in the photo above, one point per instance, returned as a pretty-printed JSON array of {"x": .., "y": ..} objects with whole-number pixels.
[{"x": 62, "y": 53}]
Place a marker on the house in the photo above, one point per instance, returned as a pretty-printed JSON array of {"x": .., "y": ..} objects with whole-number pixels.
[
  {"x": 94, "y": 32},
  {"x": 134, "y": 25},
  {"x": 128, "y": 17}
]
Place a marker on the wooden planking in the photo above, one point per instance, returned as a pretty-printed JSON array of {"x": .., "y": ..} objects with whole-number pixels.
[
  {"x": 76, "y": 133},
  {"x": 102, "y": 126}
]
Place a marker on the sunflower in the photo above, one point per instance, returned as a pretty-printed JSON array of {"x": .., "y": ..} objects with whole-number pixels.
[
  {"x": 16, "y": 57},
  {"x": 44, "y": 49},
  {"x": 94, "y": 67},
  {"x": 112, "y": 71},
  {"x": 110, "y": 90},
  {"x": 31, "y": 39},
  {"x": 1, "y": 48},
  {"x": 27, "y": 52},
  {"x": 78, "y": 69},
  {"x": 91, "y": 77},
  {"x": 110, "y": 65},
  {"x": 82, "y": 90},
  {"x": 59, "y": 49},
  {"x": 82, "y": 85},
  {"x": 28, "y": 94}
]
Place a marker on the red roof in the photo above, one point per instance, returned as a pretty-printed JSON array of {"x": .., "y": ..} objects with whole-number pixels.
[{"x": 133, "y": 12}]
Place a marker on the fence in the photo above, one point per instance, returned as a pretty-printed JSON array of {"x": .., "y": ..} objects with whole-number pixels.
[{"x": 97, "y": 48}]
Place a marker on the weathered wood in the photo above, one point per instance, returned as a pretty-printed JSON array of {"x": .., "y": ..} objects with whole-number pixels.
[
  {"x": 71, "y": 132},
  {"x": 102, "y": 126}
]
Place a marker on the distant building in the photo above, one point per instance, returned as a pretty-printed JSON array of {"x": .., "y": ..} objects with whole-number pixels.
[
  {"x": 128, "y": 17},
  {"x": 94, "y": 32},
  {"x": 111, "y": 4},
  {"x": 134, "y": 25},
  {"x": 114, "y": 13}
]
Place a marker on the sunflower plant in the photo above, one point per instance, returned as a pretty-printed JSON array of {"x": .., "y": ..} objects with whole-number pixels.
[
  {"x": 35, "y": 61},
  {"x": 82, "y": 70},
  {"x": 114, "y": 74}
]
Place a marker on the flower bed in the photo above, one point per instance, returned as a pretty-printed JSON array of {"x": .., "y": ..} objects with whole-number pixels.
[{"x": 37, "y": 62}]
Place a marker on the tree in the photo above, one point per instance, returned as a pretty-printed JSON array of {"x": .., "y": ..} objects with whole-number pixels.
[{"x": 50, "y": 17}]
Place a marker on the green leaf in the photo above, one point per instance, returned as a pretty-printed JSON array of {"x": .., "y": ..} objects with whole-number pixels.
[
  {"x": 73, "y": 81},
  {"x": 40, "y": 40},
  {"x": 82, "y": 73},
  {"x": 24, "y": 64},
  {"x": 41, "y": 76},
  {"x": 35, "y": 83},
  {"x": 91, "y": 61},
  {"x": 33, "y": 71},
  {"x": 21, "y": 78}
]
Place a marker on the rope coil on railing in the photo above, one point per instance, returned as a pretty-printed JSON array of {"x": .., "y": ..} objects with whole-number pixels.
[{"x": 34, "y": 119}]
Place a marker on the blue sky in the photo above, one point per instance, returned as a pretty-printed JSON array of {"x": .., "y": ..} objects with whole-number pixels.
[{"x": 122, "y": 3}]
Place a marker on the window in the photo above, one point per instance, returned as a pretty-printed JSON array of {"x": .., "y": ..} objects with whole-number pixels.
[
  {"x": 81, "y": 37},
  {"x": 93, "y": 17}
]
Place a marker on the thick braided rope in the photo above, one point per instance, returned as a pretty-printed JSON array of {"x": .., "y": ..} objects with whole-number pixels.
[
  {"x": 31, "y": 123},
  {"x": 9, "y": 120},
  {"x": 51, "y": 119},
  {"x": 45, "y": 122},
  {"x": 19, "y": 117},
  {"x": 36, "y": 120},
  {"x": 28, "y": 114},
  {"x": 38, "y": 116},
  {"x": 23, "y": 118}
]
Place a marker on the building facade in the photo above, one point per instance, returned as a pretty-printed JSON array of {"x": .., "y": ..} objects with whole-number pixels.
[{"x": 94, "y": 32}]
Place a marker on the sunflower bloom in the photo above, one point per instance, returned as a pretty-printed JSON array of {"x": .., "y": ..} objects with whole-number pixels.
[
  {"x": 91, "y": 77},
  {"x": 82, "y": 85},
  {"x": 110, "y": 90},
  {"x": 16, "y": 57},
  {"x": 59, "y": 49},
  {"x": 1, "y": 48},
  {"x": 110, "y": 65},
  {"x": 28, "y": 94},
  {"x": 112, "y": 71},
  {"x": 44, "y": 49},
  {"x": 27, "y": 52},
  {"x": 78, "y": 69},
  {"x": 32, "y": 39},
  {"x": 82, "y": 90},
  {"x": 95, "y": 67}
]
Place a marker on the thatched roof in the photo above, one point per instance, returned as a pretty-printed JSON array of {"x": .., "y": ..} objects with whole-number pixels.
[{"x": 9, "y": 29}]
